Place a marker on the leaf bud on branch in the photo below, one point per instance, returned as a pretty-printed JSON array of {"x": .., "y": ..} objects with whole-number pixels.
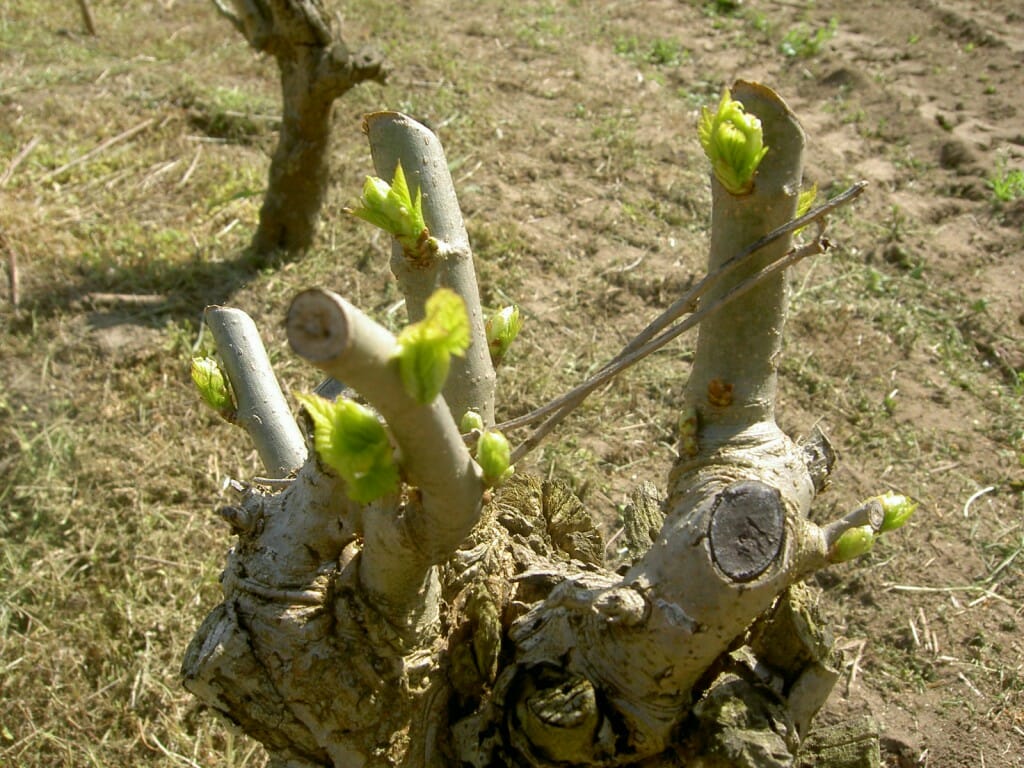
[
  {"x": 734, "y": 143},
  {"x": 350, "y": 439},
  {"x": 502, "y": 328},
  {"x": 213, "y": 387},
  {"x": 392, "y": 208}
]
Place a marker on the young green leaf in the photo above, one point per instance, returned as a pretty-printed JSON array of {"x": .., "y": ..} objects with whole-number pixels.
[
  {"x": 734, "y": 143},
  {"x": 898, "y": 509},
  {"x": 502, "y": 328},
  {"x": 392, "y": 208},
  {"x": 425, "y": 348},
  {"x": 493, "y": 454},
  {"x": 213, "y": 386},
  {"x": 853, "y": 543},
  {"x": 351, "y": 440}
]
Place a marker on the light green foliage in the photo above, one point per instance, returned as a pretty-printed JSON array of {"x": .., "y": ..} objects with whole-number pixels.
[
  {"x": 471, "y": 420},
  {"x": 493, "y": 454},
  {"x": 392, "y": 208},
  {"x": 1007, "y": 184},
  {"x": 803, "y": 42},
  {"x": 350, "y": 439},
  {"x": 213, "y": 386},
  {"x": 502, "y": 328},
  {"x": 734, "y": 143},
  {"x": 425, "y": 348},
  {"x": 898, "y": 509},
  {"x": 853, "y": 543}
]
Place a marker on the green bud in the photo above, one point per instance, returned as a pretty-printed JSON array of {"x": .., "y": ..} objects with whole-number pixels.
[
  {"x": 733, "y": 142},
  {"x": 425, "y": 348},
  {"x": 689, "y": 426},
  {"x": 804, "y": 203},
  {"x": 471, "y": 420},
  {"x": 392, "y": 208},
  {"x": 502, "y": 328},
  {"x": 213, "y": 386},
  {"x": 898, "y": 509},
  {"x": 350, "y": 439},
  {"x": 493, "y": 454},
  {"x": 853, "y": 543}
]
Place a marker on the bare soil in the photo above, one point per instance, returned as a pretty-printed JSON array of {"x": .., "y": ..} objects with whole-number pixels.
[{"x": 570, "y": 131}]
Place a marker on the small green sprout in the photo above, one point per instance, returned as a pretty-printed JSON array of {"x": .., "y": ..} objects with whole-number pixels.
[
  {"x": 471, "y": 422},
  {"x": 213, "y": 386},
  {"x": 689, "y": 426},
  {"x": 734, "y": 143},
  {"x": 493, "y": 454},
  {"x": 425, "y": 348},
  {"x": 853, "y": 543},
  {"x": 392, "y": 208},
  {"x": 804, "y": 203},
  {"x": 350, "y": 439},
  {"x": 898, "y": 509},
  {"x": 502, "y": 328}
]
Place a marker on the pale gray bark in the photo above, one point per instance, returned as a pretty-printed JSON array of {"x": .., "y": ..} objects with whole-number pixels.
[
  {"x": 400, "y": 549},
  {"x": 398, "y": 138},
  {"x": 261, "y": 408},
  {"x": 428, "y": 630}
]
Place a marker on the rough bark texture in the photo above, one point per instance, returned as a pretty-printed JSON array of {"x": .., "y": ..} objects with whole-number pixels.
[
  {"x": 316, "y": 67},
  {"x": 527, "y": 649}
]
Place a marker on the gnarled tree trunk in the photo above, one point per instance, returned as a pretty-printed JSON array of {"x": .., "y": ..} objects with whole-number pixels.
[
  {"x": 452, "y": 625},
  {"x": 316, "y": 67}
]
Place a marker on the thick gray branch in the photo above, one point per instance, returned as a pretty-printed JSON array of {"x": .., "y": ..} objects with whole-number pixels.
[
  {"x": 740, "y": 349},
  {"x": 395, "y": 137},
  {"x": 262, "y": 409},
  {"x": 736, "y": 533},
  {"x": 399, "y": 553}
]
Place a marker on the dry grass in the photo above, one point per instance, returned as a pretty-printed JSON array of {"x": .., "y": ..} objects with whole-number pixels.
[{"x": 132, "y": 164}]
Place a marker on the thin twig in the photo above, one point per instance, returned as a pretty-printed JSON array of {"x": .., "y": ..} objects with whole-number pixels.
[
  {"x": 101, "y": 148},
  {"x": 191, "y": 168},
  {"x": 87, "y": 18},
  {"x": 689, "y": 302},
  {"x": 565, "y": 404},
  {"x": 647, "y": 341},
  {"x": 99, "y": 299},
  {"x": 18, "y": 159},
  {"x": 12, "y": 270}
]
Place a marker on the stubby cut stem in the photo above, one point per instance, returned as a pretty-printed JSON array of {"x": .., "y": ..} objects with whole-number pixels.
[
  {"x": 343, "y": 342},
  {"x": 262, "y": 409},
  {"x": 395, "y": 138}
]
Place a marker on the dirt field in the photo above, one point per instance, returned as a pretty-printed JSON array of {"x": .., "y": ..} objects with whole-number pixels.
[{"x": 131, "y": 169}]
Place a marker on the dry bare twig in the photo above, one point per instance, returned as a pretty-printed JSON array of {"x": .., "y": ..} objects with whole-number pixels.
[{"x": 102, "y": 147}]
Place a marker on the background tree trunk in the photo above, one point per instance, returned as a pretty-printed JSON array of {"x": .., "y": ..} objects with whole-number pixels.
[{"x": 316, "y": 67}]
